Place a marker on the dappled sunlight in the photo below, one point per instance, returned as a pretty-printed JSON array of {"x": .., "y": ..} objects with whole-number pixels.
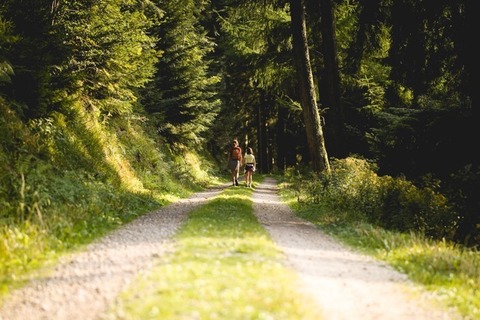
[
  {"x": 229, "y": 197},
  {"x": 120, "y": 164},
  {"x": 266, "y": 201},
  {"x": 166, "y": 198},
  {"x": 266, "y": 194},
  {"x": 128, "y": 177},
  {"x": 203, "y": 196},
  {"x": 198, "y": 167}
]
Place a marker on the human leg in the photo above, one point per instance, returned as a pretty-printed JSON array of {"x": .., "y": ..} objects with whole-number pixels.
[
  {"x": 248, "y": 178},
  {"x": 237, "y": 170},
  {"x": 234, "y": 167},
  {"x": 232, "y": 175}
]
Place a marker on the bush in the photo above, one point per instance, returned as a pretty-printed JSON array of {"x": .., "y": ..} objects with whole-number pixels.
[{"x": 355, "y": 191}]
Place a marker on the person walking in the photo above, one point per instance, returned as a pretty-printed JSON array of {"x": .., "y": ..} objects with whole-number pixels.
[
  {"x": 250, "y": 165},
  {"x": 234, "y": 159}
]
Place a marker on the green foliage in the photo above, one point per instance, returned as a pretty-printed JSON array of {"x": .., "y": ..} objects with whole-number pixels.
[
  {"x": 355, "y": 191},
  {"x": 5, "y": 71},
  {"x": 463, "y": 189},
  {"x": 420, "y": 141},
  {"x": 69, "y": 210},
  {"x": 22, "y": 171},
  {"x": 183, "y": 96},
  {"x": 407, "y": 207},
  {"x": 110, "y": 54},
  {"x": 6, "y": 39},
  {"x": 450, "y": 269},
  {"x": 259, "y": 84}
]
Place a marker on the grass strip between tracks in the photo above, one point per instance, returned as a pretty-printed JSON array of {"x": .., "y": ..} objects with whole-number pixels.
[{"x": 225, "y": 266}]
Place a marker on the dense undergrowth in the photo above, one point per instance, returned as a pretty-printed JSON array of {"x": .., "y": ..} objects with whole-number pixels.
[
  {"x": 68, "y": 178},
  {"x": 408, "y": 227},
  {"x": 355, "y": 189}
]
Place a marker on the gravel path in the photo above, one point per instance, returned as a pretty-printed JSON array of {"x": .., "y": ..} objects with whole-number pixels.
[
  {"x": 83, "y": 285},
  {"x": 345, "y": 284}
]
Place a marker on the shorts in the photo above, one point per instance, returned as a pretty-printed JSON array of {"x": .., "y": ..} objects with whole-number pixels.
[
  {"x": 249, "y": 168},
  {"x": 233, "y": 164}
]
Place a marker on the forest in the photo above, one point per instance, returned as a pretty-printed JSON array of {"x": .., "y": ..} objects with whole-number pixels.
[{"x": 111, "y": 107}]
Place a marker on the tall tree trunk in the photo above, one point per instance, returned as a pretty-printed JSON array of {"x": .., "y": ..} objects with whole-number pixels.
[
  {"x": 311, "y": 115},
  {"x": 262, "y": 153},
  {"x": 322, "y": 23},
  {"x": 330, "y": 84},
  {"x": 280, "y": 139}
]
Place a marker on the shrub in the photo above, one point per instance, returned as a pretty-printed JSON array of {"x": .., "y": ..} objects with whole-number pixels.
[{"x": 354, "y": 189}]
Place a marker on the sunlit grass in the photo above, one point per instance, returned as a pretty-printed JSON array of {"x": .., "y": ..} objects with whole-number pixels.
[
  {"x": 446, "y": 269},
  {"x": 225, "y": 266},
  {"x": 91, "y": 178}
]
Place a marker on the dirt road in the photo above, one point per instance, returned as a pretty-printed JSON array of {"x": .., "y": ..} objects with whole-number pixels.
[{"x": 345, "y": 284}]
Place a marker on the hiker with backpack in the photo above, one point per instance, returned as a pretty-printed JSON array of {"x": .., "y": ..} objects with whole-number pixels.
[{"x": 234, "y": 160}]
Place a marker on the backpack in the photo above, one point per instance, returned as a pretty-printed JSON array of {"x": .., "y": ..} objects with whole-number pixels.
[{"x": 236, "y": 153}]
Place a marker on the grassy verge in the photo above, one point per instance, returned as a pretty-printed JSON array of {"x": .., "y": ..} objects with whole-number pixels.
[
  {"x": 448, "y": 270},
  {"x": 62, "y": 186},
  {"x": 225, "y": 266},
  {"x": 81, "y": 211}
]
